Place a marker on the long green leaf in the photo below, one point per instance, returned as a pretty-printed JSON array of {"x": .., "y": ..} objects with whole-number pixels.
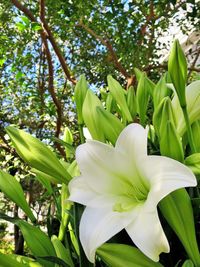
[
  {"x": 37, "y": 241},
  {"x": 13, "y": 190},
  {"x": 62, "y": 252},
  {"x": 29, "y": 262},
  {"x": 177, "y": 210},
  {"x": 118, "y": 255},
  {"x": 9, "y": 261}
]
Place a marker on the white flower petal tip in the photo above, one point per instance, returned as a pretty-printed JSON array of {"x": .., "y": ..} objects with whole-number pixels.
[
  {"x": 121, "y": 187},
  {"x": 134, "y": 138}
]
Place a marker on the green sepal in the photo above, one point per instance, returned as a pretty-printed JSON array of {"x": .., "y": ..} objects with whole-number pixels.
[
  {"x": 37, "y": 154},
  {"x": 177, "y": 210},
  {"x": 118, "y": 255},
  {"x": 79, "y": 96},
  {"x": 90, "y": 115},
  {"x": 110, "y": 125},
  {"x": 177, "y": 67},
  {"x": 118, "y": 93},
  {"x": 13, "y": 190}
]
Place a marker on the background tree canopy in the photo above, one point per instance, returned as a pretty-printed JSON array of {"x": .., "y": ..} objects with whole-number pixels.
[{"x": 46, "y": 45}]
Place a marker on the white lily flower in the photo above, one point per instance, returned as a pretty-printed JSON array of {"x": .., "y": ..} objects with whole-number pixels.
[{"x": 121, "y": 187}]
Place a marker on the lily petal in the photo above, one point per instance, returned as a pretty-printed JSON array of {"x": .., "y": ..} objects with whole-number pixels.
[
  {"x": 105, "y": 169},
  {"x": 165, "y": 176},
  {"x": 133, "y": 140},
  {"x": 147, "y": 234},
  {"x": 98, "y": 225},
  {"x": 80, "y": 191}
]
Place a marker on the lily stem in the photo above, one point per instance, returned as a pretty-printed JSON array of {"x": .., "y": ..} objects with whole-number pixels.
[
  {"x": 189, "y": 130},
  {"x": 82, "y": 138}
]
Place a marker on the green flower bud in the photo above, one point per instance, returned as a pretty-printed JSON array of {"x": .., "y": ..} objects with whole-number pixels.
[
  {"x": 37, "y": 154},
  {"x": 177, "y": 67},
  {"x": 118, "y": 93},
  {"x": 162, "y": 115},
  {"x": 91, "y": 117},
  {"x": 160, "y": 91},
  {"x": 193, "y": 103},
  {"x": 142, "y": 96},
  {"x": 138, "y": 73},
  {"x": 149, "y": 83},
  {"x": 164, "y": 124},
  {"x": 193, "y": 162},
  {"x": 109, "y": 102},
  {"x": 170, "y": 142},
  {"x": 79, "y": 96},
  {"x": 110, "y": 125},
  {"x": 131, "y": 101}
]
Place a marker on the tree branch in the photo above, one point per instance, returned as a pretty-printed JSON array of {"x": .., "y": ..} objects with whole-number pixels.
[
  {"x": 193, "y": 63},
  {"x": 109, "y": 46},
  {"x": 50, "y": 36},
  {"x": 51, "y": 81}
]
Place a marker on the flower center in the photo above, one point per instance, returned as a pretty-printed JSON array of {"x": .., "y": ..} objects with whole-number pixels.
[{"x": 133, "y": 196}]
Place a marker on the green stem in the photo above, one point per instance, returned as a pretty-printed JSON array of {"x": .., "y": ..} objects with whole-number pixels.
[
  {"x": 80, "y": 128},
  {"x": 57, "y": 205},
  {"x": 189, "y": 130}
]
